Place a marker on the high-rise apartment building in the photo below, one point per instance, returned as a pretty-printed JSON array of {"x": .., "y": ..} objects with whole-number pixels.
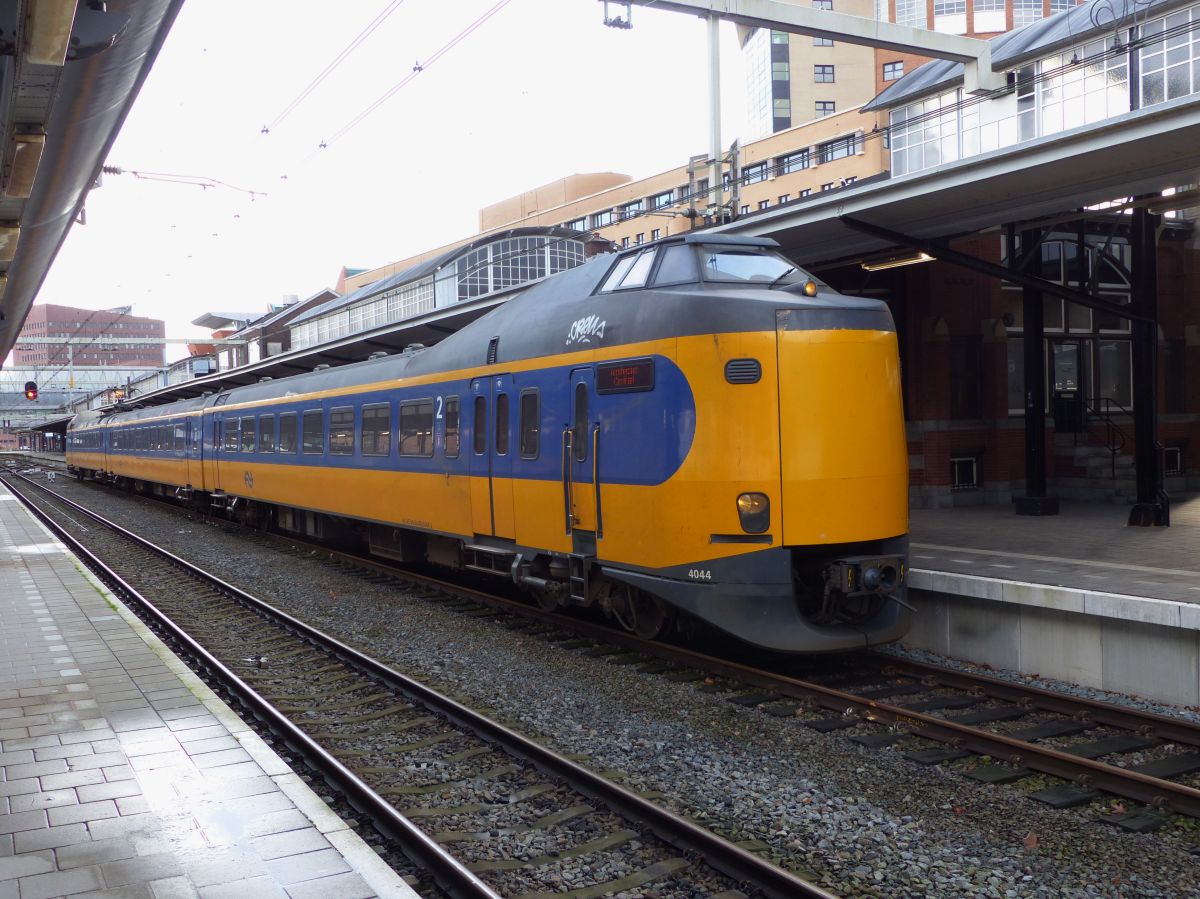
[{"x": 86, "y": 330}]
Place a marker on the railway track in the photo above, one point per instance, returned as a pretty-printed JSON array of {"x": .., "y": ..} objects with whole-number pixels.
[
  {"x": 484, "y": 810},
  {"x": 1076, "y": 751},
  {"x": 1062, "y": 750}
]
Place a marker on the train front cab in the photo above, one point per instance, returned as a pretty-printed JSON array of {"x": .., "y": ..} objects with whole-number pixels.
[{"x": 812, "y": 556}]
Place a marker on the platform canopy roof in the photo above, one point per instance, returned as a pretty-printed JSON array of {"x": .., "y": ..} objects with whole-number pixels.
[
  {"x": 1137, "y": 153},
  {"x": 67, "y": 83}
]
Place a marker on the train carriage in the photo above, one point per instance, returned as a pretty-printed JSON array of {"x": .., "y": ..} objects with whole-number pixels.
[{"x": 690, "y": 430}]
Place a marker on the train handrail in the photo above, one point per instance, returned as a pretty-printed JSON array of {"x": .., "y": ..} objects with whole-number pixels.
[
  {"x": 596, "y": 479},
  {"x": 568, "y": 448}
]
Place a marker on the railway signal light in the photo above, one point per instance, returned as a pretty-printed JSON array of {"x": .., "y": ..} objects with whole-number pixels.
[{"x": 31, "y": 390}]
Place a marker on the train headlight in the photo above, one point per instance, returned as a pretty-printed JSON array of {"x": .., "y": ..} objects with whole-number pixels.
[
  {"x": 810, "y": 288},
  {"x": 754, "y": 509}
]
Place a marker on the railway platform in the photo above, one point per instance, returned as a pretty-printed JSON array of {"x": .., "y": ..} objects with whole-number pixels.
[
  {"x": 122, "y": 775},
  {"x": 1079, "y": 596}
]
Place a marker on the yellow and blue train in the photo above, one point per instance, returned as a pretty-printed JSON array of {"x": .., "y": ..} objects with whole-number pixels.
[{"x": 692, "y": 429}]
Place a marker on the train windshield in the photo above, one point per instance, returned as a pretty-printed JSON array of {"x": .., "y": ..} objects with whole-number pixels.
[{"x": 748, "y": 266}]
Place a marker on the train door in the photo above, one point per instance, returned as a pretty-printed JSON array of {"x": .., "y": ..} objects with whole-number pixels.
[
  {"x": 492, "y": 404},
  {"x": 581, "y": 445},
  {"x": 193, "y": 443}
]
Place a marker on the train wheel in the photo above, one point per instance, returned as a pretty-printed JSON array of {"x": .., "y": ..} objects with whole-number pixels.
[{"x": 645, "y": 615}]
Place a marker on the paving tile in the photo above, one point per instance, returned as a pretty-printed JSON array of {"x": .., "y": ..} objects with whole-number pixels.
[
  {"x": 173, "y": 888},
  {"x": 64, "y": 752},
  {"x": 26, "y": 865},
  {"x": 31, "y": 820},
  {"x": 17, "y": 787},
  {"x": 310, "y": 866},
  {"x": 221, "y": 758},
  {"x": 211, "y": 744},
  {"x": 97, "y": 760},
  {"x": 277, "y": 822},
  {"x": 223, "y": 866},
  {"x": 35, "y": 769},
  {"x": 30, "y": 801},
  {"x": 289, "y": 843},
  {"x": 49, "y": 837},
  {"x": 133, "y": 805},
  {"x": 340, "y": 886},
  {"x": 131, "y": 891},
  {"x": 143, "y": 868},
  {"x": 118, "y": 790},
  {"x": 95, "y": 852},
  {"x": 87, "y": 811},
  {"x": 258, "y": 887},
  {"x": 72, "y": 779},
  {"x": 60, "y": 883}
]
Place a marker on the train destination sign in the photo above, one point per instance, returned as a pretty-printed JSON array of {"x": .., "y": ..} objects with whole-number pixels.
[{"x": 625, "y": 377}]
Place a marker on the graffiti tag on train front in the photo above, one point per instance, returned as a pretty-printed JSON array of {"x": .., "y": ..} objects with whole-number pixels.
[{"x": 584, "y": 329}]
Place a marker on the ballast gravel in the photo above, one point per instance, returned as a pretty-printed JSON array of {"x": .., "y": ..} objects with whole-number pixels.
[{"x": 861, "y": 822}]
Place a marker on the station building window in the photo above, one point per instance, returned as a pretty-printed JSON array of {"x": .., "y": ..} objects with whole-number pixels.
[
  {"x": 823, "y": 74},
  {"x": 825, "y": 108},
  {"x": 893, "y": 70}
]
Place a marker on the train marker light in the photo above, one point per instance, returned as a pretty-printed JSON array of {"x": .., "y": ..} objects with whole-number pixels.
[
  {"x": 31, "y": 390},
  {"x": 810, "y": 288}
]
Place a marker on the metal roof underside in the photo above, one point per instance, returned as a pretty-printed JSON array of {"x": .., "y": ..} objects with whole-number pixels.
[
  {"x": 1141, "y": 152},
  {"x": 80, "y": 107}
]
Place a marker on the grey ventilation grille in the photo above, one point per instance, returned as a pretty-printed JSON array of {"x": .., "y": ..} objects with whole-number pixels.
[
  {"x": 493, "y": 347},
  {"x": 743, "y": 371}
]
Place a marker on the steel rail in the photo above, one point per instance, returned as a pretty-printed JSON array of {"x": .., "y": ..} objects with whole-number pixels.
[
  {"x": 446, "y": 870},
  {"x": 1149, "y": 724},
  {"x": 1153, "y": 791},
  {"x": 724, "y": 856}
]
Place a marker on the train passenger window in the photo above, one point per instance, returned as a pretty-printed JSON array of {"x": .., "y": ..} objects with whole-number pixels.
[
  {"x": 580, "y": 429},
  {"x": 248, "y": 434},
  {"x": 341, "y": 431},
  {"x": 502, "y": 424},
  {"x": 678, "y": 266},
  {"x": 416, "y": 428},
  {"x": 480, "y": 436},
  {"x": 144, "y": 439},
  {"x": 530, "y": 424},
  {"x": 266, "y": 434},
  {"x": 231, "y": 436},
  {"x": 287, "y": 432},
  {"x": 181, "y": 437},
  {"x": 452, "y": 433},
  {"x": 314, "y": 431},
  {"x": 377, "y": 429}
]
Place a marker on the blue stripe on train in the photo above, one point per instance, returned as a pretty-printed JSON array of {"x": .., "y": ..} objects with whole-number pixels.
[{"x": 660, "y": 424}]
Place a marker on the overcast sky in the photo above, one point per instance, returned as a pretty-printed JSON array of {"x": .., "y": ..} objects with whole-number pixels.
[{"x": 539, "y": 91}]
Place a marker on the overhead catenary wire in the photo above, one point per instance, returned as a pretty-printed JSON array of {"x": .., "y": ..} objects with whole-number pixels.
[
  {"x": 333, "y": 64},
  {"x": 419, "y": 68}
]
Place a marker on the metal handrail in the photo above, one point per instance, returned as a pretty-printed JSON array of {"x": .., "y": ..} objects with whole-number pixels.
[{"x": 1115, "y": 438}]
